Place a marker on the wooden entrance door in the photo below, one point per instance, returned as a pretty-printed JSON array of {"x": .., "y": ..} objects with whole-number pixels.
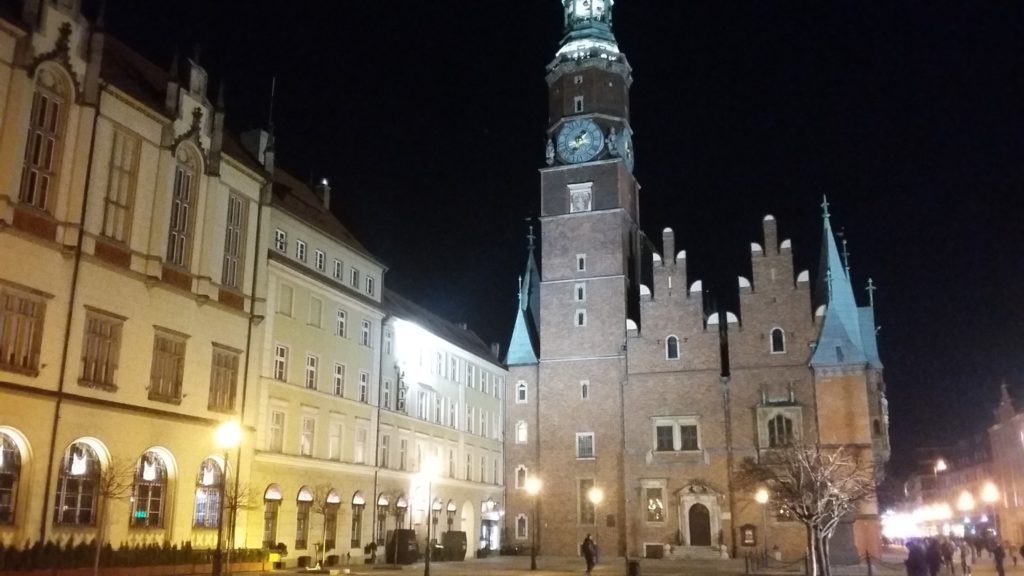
[{"x": 700, "y": 525}]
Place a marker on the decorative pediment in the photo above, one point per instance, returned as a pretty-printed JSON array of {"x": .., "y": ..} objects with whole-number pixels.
[
  {"x": 60, "y": 55},
  {"x": 193, "y": 132},
  {"x": 699, "y": 486}
]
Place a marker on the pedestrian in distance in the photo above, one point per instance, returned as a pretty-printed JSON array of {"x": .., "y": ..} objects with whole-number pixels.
[
  {"x": 947, "y": 555},
  {"x": 965, "y": 555},
  {"x": 588, "y": 551},
  {"x": 933, "y": 556}
]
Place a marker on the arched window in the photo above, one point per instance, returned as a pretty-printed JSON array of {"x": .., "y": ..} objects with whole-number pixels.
[
  {"x": 333, "y": 502},
  {"x": 358, "y": 503},
  {"x": 41, "y": 170},
  {"x": 520, "y": 392},
  {"x": 521, "y": 476},
  {"x": 10, "y": 473},
  {"x": 672, "y": 348},
  {"x": 271, "y": 506},
  {"x": 521, "y": 527},
  {"x": 77, "y": 486},
  {"x": 877, "y": 425},
  {"x": 520, "y": 432},
  {"x": 208, "y": 495},
  {"x": 304, "y": 502},
  {"x": 778, "y": 341},
  {"x": 780, "y": 431},
  {"x": 149, "y": 492},
  {"x": 183, "y": 206}
]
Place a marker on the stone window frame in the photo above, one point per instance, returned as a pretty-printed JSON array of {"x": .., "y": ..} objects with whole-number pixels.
[
  {"x": 653, "y": 483},
  {"x": 771, "y": 340},
  {"x": 522, "y": 392},
  {"x": 766, "y": 413},
  {"x": 668, "y": 348},
  {"x": 677, "y": 422}
]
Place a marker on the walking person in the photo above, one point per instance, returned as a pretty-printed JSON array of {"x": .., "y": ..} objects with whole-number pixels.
[
  {"x": 933, "y": 555},
  {"x": 915, "y": 562},
  {"x": 1000, "y": 555},
  {"x": 966, "y": 554},
  {"x": 589, "y": 552},
  {"x": 947, "y": 555}
]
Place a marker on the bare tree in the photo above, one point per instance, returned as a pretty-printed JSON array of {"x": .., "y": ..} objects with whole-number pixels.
[
  {"x": 817, "y": 486},
  {"x": 238, "y": 497},
  {"x": 115, "y": 483},
  {"x": 320, "y": 505}
]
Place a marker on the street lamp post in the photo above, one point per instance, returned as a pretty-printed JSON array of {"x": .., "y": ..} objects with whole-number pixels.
[
  {"x": 596, "y": 495},
  {"x": 990, "y": 495},
  {"x": 429, "y": 473},
  {"x": 533, "y": 489},
  {"x": 761, "y": 496},
  {"x": 227, "y": 437}
]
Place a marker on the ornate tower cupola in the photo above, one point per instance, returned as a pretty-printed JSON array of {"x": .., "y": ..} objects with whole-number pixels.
[{"x": 588, "y": 84}]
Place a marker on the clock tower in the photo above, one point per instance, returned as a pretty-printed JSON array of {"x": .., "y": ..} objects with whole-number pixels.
[{"x": 588, "y": 290}]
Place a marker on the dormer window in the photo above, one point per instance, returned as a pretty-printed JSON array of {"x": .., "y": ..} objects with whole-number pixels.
[
  {"x": 300, "y": 250},
  {"x": 280, "y": 240}
]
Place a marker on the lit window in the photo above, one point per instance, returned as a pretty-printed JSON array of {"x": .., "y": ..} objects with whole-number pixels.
[
  {"x": 364, "y": 386},
  {"x": 385, "y": 402},
  {"x": 42, "y": 148},
  {"x": 387, "y": 341},
  {"x": 123, "y": 168},
  {"x": 339, "y": 323},
  {"x": 300, "y": 250},
  {"x": 303, "y": 503},
  {"x": 319, "y": 260},
  {"x": 655, "y": 505},
  {"x": 338, "y": 267},
  {"x": 10, "y": 475},
  {"x": 234, "y": 241},
  {"x": 206, "y": 513},
  {"x": 149, "y": 492},
  {"x": 585, "y": 506},
  {"x": 168, "y": 370},
  {"x": 284, "y": 299},
  {"x": 334, "y": 441},
  {"x": 778, "y": 337},
  {"x": 521, "y": 432},
  {"x": 672, "y": 348},
  {"x": 358, "y": 502},
  {"x": 384, "y": 456},
  {"x": 280, "y": 240},
  {"x": 271, "y": 506},
  {"x": 307, "y": 436},
  {"x": 77, "y": 487},
  {"x": 364, "y": 334},
  {"x": 183, "y": 207},
  {"x": 281, "y": 363}
]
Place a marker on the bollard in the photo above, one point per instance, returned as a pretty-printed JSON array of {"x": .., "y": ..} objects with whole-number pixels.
[
  {"x": 871, "y": 570},
  {"x": 632, "y": 567},
  {"x": 746, "y": 564}
]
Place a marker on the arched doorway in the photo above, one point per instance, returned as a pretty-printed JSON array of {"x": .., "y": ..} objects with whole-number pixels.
[{"x": 700, "y": 525}]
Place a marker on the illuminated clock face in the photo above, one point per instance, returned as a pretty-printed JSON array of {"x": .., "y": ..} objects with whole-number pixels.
[{"x": 579, "y": 141}]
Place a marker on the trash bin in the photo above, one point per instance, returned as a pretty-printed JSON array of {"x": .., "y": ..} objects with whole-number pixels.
[{"x": 632, "y": 567}]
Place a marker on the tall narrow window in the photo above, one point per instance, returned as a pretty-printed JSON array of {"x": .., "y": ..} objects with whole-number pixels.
[
  {"x": 340, "y": 320},
  {"x": 521, "y": 392},
  {"x": 370, "y": 285},
  {"x": 360, "y": 448},
  {"x": 183, "y": 202},
  {"x": 364, "y": 386},
  {"x": 584, "y": 389},
  {"x": 385, "y": 402},
  {"x": 364, "y": 334},
  {"x": 234, "y": 241},
  {"x": 168, "y": 370},
  {"x": 312, "y": 371},
  {"x": 655, "y": 505},
  {"x": 334, "y": 441},
  {"x": 384, "y": 453},
  {"x": 778, "y": 341},
  {"x": 302, "y": 506},
  {"x": 358, "y": 502},
  {"x": 581, "y": 262},
  {"x": 579, "y": 292},
  {"x": 353, "y": 277},
  {"x": 672, "y": 348},
  {"x": 123, "y": 167},
  {"x": 223, "y": 379},
  {"x": 100, "y": 350},
  {"x": 276, "y": 443},
  {"x": 521, "y": 527},
  {"x": 208, "y": 495},
  {"x": 281, "y": 363},
  {"x": 284, "y": 299},
  {"x": 521, "y": 432},
  {"x": 577, "y": 104},
  {"x": 520, "y": 476},
  {"x": 271, "y": 507},
  {"x": 21, "y": 331},
  {"x": 387, "y": 341},
  {"x": 338, "y": 268},
  {"x": 780, "y": 431},
  {"x": 403, "y": 453},
  {"x": 581, "y": 318},
  {"x": 10, "y": 474},
  {"x": 339, "y": 379},
  {"x": 77, "y": 487},
  {"x": 42, "y": 148},
  {"x": 280, "y": 240},
  {"x": 331, "y": 520},
  {"x": 319, "y": 260},
  {"x": 149, "y": 492},
  {"x": 307, "y": 436},
  {"x": 300, "y": 250}
]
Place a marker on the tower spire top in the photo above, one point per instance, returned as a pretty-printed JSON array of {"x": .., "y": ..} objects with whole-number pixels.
[
  {"x": 871, "y": 292},
  {"x": 824, "y": 207}
]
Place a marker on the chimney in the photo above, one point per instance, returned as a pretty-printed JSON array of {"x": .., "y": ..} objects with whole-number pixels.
[
  {"x": 171, "y": 98},
  {"x": 323, "y": 191},
  {"x": 217, "y": 133},
  {"x": 496, "y": 349},
  {"x": 668, "y": 246},
  {"x": 91, "y": 91}
]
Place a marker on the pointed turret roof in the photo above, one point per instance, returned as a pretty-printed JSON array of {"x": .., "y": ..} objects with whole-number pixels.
[
  {"x": 588, "y": 30},
  {"x": 525, "y": 345},
  {"x": 839, "y": 343}
]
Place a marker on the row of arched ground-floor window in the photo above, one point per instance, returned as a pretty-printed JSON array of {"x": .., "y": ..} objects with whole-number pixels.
[{"x": 86, "y": 468}]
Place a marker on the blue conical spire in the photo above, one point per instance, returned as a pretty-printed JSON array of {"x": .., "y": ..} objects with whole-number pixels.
[
  {"x": 840, "y": 340},
  {"x": 524, "y": 346}
]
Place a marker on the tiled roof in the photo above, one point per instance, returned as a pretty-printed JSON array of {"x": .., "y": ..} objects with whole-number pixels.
[
  {"x": 130, "y": 72},
  {"x": 464, "y": 338}
]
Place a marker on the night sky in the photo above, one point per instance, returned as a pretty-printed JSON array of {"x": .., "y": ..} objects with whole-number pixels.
[{"x": 429, "y": 116}]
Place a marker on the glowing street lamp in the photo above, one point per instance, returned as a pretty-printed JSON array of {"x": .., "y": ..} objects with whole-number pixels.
[
  {"x": 989, "y": 493},
  {"x": 965, "y": 503},
  {"x": 596, "y": 495},
  {"x": 533, "y": 489},
  {"x": 940, "y": 466},
  {"x": 761, "y": 497},
  {"x": 227, "y": 437}
]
